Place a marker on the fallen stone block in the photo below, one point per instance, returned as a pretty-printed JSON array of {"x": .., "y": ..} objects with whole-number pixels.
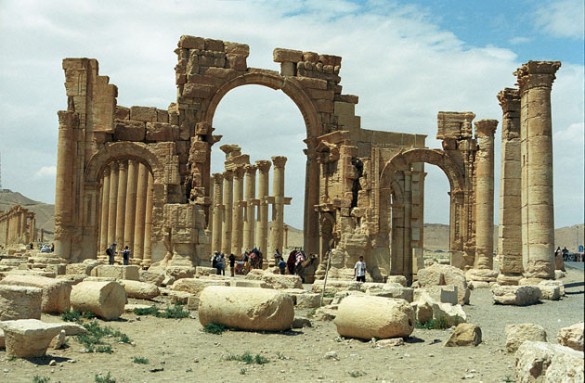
[
  {"x": 334, "y": 286},
  {"x": 367, "y": 317},
  {"x": 131, "y": 272},
  {"x": 84, "y": 267},
  {"x": 449, "y": 295},
  {"x": 516, "y": 334},
  {"x": 154, "y": 275},
  {"x": 246, "y": 308},
  {"x": 390, "y": 290},
  {"x": 516, "y": 295},
  {"x": 250, "y": 283},
  {"x": 56, "y": 292},
  {"x": 202, "y": 271},
  {"x": 326, "y": 313},
  {"x": 441, "y": 275},
  {"x": 104, "y": 299},
  {"x": 465, "y": 334},
  {"x": 546, "y": 362},
  {"x": 552, "y": 283},
  {"x": 278, "y": 281},
  {"x": 139, "y": 290},
  {"x": 196, "y": 285},
  {"x": 300, "y": 322},
  {"x": 308, "y": 300},
  {"x": 20, "y": 302},
  {"x": 572, "y": 336},
  {"x": 28, "y": 338},
  {"x": 180, "y": 272},
  {"x": 400, "y": 279}
]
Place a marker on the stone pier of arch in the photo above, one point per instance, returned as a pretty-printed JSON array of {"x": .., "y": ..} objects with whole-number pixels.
[{"x": 140, "y": 176}]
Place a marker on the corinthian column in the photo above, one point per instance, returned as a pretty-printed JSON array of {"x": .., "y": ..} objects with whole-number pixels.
[
  {"x": 130, "y": 216},
  {"x": 104, "y": 210},
  {"x": 250, "y": 195},
  {"x": 510, "y": 227},
  {"x": 216, "y": 212},
  {"x": 113, "y": 201},
  {"x": 535, "y": 79},
  {"x": 262, "y": 228},
  {"x": 228, "y": 193},
  {"x": 237, "y": 222},
  {"x": 278, "y": 215},
  {"x": 484, "y": 203},
  {"x": 121, "y": 208}
]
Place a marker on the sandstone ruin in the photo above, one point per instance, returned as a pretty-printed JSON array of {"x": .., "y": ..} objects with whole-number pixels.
[{"x": 140, "y": 176}]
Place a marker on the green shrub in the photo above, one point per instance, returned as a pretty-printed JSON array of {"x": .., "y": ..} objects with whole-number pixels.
[
  {"x": 94, "y": 339},
  {"x": 41, "y": 379},
  {"x": 433, "y": 324},
  {"x": 248, "y": 358},
  {"x": 71, "y": 316},
  {"x": 174, "y": 312},
  {"x": 140, "y": 360},
  {"x": 152, "y": 310},
  {"x": 214, "y": 328},
  {"x": 104, "y": 379}
]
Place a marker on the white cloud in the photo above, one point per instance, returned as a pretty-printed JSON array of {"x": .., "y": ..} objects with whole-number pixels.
[
  {"x": 46, "y": 171},
  {"x": 562, "y": 18}
]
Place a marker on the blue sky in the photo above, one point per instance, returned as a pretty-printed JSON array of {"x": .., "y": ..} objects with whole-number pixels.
[{"x": 406, "y": 60}]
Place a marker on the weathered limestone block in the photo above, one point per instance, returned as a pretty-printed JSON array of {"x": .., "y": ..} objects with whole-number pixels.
[
  {"x": 465, "y": 334},
  {"x": 450, "y": 314},
  {"x": 341, "y": 295},
  {"x": 20, "y": 302},
  {"x": 334, "y": 286},
  {"x": 143, "y": 113},
  {"x": 516, "y": 334},
  {"x": 130, "y": 272},
  {"x": 254, "y": 274},
  {"x": 550, "y": 283},
  {"x": 139, "y": 290},
  {"x": 449, "y": 295},
  {"x": 84, "y": 267},
  {"x": 154, "y": 275},
  {"x": 367, "y": 317},
  {"x": 326, "y": 313},
  {"x": 250, "y": 283},
  {"x": 130, "y": 131},
  {"x": 277, "y": 281},
  {"x": 179, "y": 272},
  {"x": 179, "y": 297},
  {"x": 196, "y": 285},
  {"x": 104, "y": 299},
  {"x": 161, "y": 131},
  {"x": 546, "y": 362},
  {"x": 202, "y": 271},
  {"x": 308, "y": 300},
  {"x": 56, "y": 292},
  {"x": 28, "y": 338},
  {"x": 516, "y": 295},
  {"x": 391, "y": 290},
  {"x": 401, "y": 279},
  {"x": 246, "y": 308},
  {"x": 440, "y": 275},
  {"x": 572, "y": 336},
  {"x": 549, "y": 292}
]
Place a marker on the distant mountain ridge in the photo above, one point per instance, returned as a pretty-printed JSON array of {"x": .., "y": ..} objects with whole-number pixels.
[{"x": 436, "y": 236}]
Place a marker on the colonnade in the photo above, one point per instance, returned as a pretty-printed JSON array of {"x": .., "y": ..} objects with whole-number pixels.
[
  {"x": 239, "y": 219},
  {"x": 126, "y": 209},
  {"x": 17, "y": 226}
]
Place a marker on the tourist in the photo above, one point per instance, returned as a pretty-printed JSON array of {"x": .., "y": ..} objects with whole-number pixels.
[
  {"x": 232, "y": 259},
  {"x": 277, "y": 257},
  {"x": 221, "y": 264},
  {"x": 111, "y": 252},
  {"x": 359, "y": 270},
  {"x": 282, "y": 266},
  {"x": 126, "y": 255}
]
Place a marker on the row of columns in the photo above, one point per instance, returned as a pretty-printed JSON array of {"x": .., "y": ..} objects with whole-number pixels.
[
  {"x": 526, "y": 237},
  {"x": 239, "y": 217},
  {"x": 126, "y": 208},
  {"x": 17, "y": 226}
]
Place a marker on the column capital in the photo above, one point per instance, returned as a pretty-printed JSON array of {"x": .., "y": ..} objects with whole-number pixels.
[
  {"x": 509, "y": 99},
  {"x": 250, "y": 169},
  {"x": 228, "y": 175},
  {"x": 239, "y": 172},
  {"x": 122, "y": 165},
  {"x": 535, "y": 74},
  {"x": 217, "y": 177},
  {"x": 279, "y": 161},
  {"x": 486, "y": 128},
  {"x": 263, "y": 165}
]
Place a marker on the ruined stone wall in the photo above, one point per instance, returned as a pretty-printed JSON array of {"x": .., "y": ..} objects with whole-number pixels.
[{"x": 17, "y": 227}]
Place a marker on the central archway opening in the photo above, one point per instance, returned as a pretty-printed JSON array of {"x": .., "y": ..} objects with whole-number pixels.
[{"x": 265, "y": 124}]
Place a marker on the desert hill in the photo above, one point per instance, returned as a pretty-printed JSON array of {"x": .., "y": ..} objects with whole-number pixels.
[{"x": 436, "y": 236}]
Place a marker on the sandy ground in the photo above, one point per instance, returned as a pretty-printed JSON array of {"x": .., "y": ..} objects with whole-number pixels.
[{"x": 179, "y": 351}]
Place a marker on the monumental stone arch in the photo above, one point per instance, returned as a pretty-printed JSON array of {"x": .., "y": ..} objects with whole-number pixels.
[{"x": 140, "y": 176}]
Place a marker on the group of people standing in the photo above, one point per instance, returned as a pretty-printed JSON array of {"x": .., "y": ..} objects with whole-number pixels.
[{"x": 111, "y": 252}]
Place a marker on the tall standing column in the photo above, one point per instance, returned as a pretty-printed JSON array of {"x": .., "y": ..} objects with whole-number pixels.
[
  {"x": 147, "y": 254},
  {"x": 535, "y": 79},
  {"x": 113, "y": 201},
  {"x": 130, "y": 204},
  {"x": 262, "y": 228},
  {"x": 510, "y": 227},
  {"x": 311, "y": 242},
  {"x": 121, "y": 207},
  {"x": 250, "y": 195},
  {"x": 226, "y": 231},
  {"x": 484, "y": 203},
  {"x": 104, "y": 210},
  {"x": 278, "y": 191},
  {"x": 237, "y": 221},
  {"x": 139, "y": 221},
  {"x": 216, "y": 212}
]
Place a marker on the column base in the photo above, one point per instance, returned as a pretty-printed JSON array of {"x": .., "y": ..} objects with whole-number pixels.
[
  {"x": 509, "y": 279},
  {"x": 481, "y": 275},
  {"x": 531, "y": 281}
]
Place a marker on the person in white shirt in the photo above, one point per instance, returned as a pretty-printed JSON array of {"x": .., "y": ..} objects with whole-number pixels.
[{"x": 359, "y": 270}]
